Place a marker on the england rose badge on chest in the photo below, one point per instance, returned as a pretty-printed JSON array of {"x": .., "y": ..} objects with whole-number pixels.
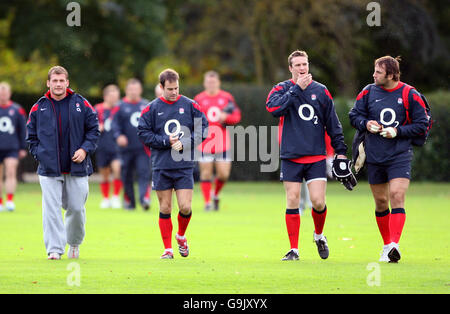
[{"x": 181, "y": 111}]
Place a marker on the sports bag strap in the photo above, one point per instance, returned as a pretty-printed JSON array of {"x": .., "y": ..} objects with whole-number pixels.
[{"x": 405, "y": 97}]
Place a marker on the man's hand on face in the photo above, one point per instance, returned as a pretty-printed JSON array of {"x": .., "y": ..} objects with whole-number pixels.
[{"x": 304, "y": 80}]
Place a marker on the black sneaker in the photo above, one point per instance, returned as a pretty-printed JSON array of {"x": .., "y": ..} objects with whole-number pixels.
[
  {"x": 215, "y": 203},
  {"x": 394, "y": 255},
  {"x": 146, "y": 205},
  {"x": 291, "y": 256},
  {"x": 322, "y": 247}
]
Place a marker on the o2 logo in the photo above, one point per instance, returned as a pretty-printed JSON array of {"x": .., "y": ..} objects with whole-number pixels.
[
  {"x": 107, "y": 125},
  {"x": 176, "y": 130},
  {"x": 385, "y": 113},
  {"x": 306, "y": 112},
  {"x": 6, "y": 125},
  {"x": 213, "y": 114},
  {"x": 134, "y": 119}
]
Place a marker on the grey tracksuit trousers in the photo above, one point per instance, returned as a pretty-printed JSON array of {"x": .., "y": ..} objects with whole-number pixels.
[{"x": 66, "y": 192}]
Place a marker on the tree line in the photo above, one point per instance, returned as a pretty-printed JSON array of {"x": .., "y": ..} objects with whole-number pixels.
[{"x": 246, "y": 41}]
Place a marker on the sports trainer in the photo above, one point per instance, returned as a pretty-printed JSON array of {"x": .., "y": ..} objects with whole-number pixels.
[
  {"x": 135, "y": 158},
  {"x": 305, "y": 109},
  {"x": 62, "y": 133},
  {"x": 107, "y": 154},
  {"x": 12, "y": 143},
  {"x": 380, "y": 109},
  {"x": 172, "y": 125},
  {"x": 221, "y": 110}
]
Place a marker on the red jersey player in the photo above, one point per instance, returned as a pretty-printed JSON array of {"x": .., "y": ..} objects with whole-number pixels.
[{"x": 221, "y": 110}]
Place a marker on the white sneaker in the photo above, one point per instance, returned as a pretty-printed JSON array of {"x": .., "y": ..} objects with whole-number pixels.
[
  {"x": 10, "y": 206},
  {"x": 54, "y": 256},
  {"x": 115, "y": 202},
  {"x": 74, "y": 252},
  {"x": 1, "y": 207},
  {"x": 384, "y": 253},
  {"x": 390, "y": 253},
  {"x": 105, "y": 203}
]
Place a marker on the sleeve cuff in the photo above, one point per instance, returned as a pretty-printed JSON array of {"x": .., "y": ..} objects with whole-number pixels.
[{"x": 295, "y": 89}]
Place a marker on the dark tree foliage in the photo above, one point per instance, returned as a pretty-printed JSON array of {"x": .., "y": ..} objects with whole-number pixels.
[{"x": 114, "y": 36}]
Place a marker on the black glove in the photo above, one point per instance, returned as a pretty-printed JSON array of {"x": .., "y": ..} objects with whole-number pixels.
[
  {"x": 229, "y": 108},
  {"x": 342, "y": 171}
]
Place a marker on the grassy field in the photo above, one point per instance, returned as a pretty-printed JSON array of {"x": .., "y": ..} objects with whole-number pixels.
[{"x": 235, "y": 250}]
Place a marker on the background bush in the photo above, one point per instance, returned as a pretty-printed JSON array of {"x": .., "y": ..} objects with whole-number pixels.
[{"x": 430, "y": 162}]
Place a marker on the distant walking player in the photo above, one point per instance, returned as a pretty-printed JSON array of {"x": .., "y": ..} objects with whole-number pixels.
[
  {"x": 63, "y": 131},
  {"x": 107, "y": 154},
  {"x": 12, "y": 143}
]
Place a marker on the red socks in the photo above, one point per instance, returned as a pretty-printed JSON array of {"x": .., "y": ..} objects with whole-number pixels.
[
  {"x": 293, "y": 226},
  {"x": 396, "y": 223},
  {"x": 183, "y": 222},
  {"x": 206, "y": 190},
  {"x": 104, "y": 187},
  {"x": 219, "y": 185},
  {"x": 165, "y": 226},
  {"x": 117, "y": 185},
  {"x": 391, "y": 224},
  {"x": 383, "y": 222},
  {"x": 319, "y": 219},
  {"x": 9, "y": 197}
]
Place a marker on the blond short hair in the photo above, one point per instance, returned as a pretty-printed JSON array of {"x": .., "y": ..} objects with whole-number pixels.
[
  {"x": 5, "y": 85},
  {"x": 296, "y": 53},
  {"x": 57, "y": 70}
]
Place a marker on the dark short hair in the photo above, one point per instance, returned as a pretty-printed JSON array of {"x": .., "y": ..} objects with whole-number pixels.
[
  {"x": 391, "y": 66},
  {"x": 212, "y": 74},
  {"x": 109, "y": 88},
  {"x": 132, "y": 81},
  {"x": 296, "y": 53},
  {"x": 168, "y": 75},
  {"x": 57, "y": 70}
]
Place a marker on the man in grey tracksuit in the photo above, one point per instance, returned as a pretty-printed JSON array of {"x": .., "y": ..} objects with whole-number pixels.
[{"x": 62, "y": 133}]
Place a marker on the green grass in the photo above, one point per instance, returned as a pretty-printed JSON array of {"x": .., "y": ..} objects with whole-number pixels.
[{"x": 235, "y": 250}]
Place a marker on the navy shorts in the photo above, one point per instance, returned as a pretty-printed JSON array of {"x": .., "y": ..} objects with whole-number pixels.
[
  {"x": 8, "y": 154},
  {"x": 178, "y": 179},
  {"x": 295, "y": 172},
  {"x": 378, "y": 174},
  {"x": 104, "y": 158}
]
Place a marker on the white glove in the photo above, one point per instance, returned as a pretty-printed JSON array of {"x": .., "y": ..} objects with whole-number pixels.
[
  {"x": 374, "y": 128},
  {"x": 177, "y": 146},
  {"x": 390, "y": 130}
]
